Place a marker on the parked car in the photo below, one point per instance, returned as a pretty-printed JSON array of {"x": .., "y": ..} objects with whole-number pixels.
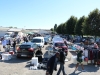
[
  {"x": 49, "y": 37},
  {"x": 27, "y": 49},
  {"x": 39, "y": 41},
  {"x": 46, "y": 40},
  {"x": 59, "y": 46}
]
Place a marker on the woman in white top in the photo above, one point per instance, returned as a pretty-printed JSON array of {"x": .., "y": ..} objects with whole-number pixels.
[{"x": 4, "y": 43}]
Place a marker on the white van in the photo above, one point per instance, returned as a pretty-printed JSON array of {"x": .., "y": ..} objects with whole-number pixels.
[{"x": 39, "y": 41}]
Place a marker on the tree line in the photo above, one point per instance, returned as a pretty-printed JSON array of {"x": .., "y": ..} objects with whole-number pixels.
[{"x": 89, "y": 25}]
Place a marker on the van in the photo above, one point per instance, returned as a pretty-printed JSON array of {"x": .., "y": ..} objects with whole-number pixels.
[{"x": 39, "y": 41}]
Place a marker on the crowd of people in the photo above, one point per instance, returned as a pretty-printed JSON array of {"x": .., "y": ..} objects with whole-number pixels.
[{"x": 7, "y": 43}]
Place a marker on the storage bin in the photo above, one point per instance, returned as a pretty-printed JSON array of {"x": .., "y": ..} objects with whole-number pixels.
[
  {"x": 34, "y": 61},
  {"x": 74, "y": 59},
  {"x": 6, "y": 56}
]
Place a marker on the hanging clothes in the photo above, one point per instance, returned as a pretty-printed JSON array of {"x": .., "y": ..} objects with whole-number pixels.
[
  {"x": 99, "y": 54},
  {"x": 85, "y": 53},
  {"x": 95, "y": 55},
  {"x": 90, "y": 55}
]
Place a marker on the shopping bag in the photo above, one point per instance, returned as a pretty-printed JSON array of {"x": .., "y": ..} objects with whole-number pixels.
[{"x": 86, "y": 59}]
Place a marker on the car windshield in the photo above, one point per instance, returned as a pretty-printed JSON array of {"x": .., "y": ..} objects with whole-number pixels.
[
  {"x": 25, "y": 46},
  {"x": 36, "y": 40},
  {"x": 59, "y": 44}
]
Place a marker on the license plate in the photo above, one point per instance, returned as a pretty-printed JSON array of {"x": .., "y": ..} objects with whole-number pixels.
[{"x": 24, "y": 55}]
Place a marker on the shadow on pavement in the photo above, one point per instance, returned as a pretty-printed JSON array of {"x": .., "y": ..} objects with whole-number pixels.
[
  {"x": 75, "y": 73},
  {"x": 71, "y": 65},
  {"x": 16, "y": 60},
  {"x": 88, "y": 68}
]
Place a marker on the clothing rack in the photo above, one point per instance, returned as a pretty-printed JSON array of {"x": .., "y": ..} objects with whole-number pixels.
[{"x": 94, "y": 55}]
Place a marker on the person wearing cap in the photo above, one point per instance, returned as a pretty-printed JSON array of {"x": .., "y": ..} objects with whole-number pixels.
[
  {"x": 62, "y": 62},
  {"x": 52, "y": 63}
]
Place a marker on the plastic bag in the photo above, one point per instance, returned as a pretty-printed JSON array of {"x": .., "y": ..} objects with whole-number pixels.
[{"x": 86, "y": 59}]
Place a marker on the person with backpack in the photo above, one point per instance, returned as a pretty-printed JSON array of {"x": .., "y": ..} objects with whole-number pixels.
[{"x": 62, "y": 62}]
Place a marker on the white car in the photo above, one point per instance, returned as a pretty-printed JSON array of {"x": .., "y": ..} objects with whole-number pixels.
[{"x": 39, "y": 41}]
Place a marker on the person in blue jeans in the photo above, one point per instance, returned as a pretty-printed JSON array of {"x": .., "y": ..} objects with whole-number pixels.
[{"x": 62, "y": 62}]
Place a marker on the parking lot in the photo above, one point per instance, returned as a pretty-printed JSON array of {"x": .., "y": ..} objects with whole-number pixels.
[{"x": 20, "y": 67}]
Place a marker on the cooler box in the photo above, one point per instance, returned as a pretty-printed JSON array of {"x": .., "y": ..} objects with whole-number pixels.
[
  {"x": 6, "y": 56},
  {"x": 34, "y": 61}
]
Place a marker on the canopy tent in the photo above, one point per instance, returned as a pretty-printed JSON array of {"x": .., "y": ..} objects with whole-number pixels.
[{"x": 30, "y": 33}]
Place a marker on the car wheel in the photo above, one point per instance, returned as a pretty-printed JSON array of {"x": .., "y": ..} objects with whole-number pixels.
[{"x": 46, "y": 43}]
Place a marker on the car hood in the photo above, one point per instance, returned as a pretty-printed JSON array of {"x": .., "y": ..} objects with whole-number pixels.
[
  {"x": 38, "y": 43},
  {"x": 62, "y": 47}
]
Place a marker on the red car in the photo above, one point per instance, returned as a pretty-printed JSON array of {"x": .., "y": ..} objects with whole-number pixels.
[{"x": 58, "y": 45}]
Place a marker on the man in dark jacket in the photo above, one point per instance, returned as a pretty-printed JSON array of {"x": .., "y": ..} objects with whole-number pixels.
[
  {"x": 14, "y": 45},
  {"x": 52, "y": 63},
  {"x": 62, "y": 62},
  {"x": 39, "y": 54}
]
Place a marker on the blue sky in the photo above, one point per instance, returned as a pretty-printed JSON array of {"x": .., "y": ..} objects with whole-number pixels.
[{"x": 42, "y": 14}]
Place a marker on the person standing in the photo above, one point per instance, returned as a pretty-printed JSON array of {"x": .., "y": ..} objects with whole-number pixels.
[
  {"x": 39, "y": 55},
  {"x": 79, "y": 60},
  {"x": 52, "y": 64},
  {"x": 14, "y": 46},
  {"x": 8, "y": 44},
  {"x": 62, "y": 62},
  {"x": 4, "y": 43}
]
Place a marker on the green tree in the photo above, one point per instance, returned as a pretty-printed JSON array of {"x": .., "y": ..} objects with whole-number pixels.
[
  {"x": 52, "y": 29},
  {"x": 91, "y": 25},
  {"x": 55, "y": 27},
  {"x": 85, "y": 27},
  {"x": 63, "y": 28},
  {"x": 70, "y": 25},
  {"x": 78, "y": 26},
  {"x": 59, "y": 29}
]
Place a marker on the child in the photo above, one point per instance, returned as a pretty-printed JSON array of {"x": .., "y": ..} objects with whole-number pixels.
[{"x": 79, "y": 60}]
